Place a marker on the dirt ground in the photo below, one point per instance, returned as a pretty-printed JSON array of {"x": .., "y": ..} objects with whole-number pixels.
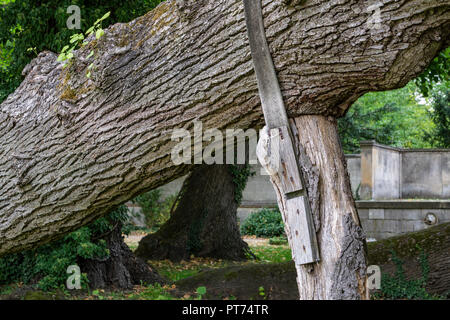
[{"x": 133, "y": 239}]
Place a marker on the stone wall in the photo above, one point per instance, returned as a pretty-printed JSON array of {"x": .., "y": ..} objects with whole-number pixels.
[
  {"x": 395, "y": 173},
  {"x": 384, "y": 219},
  {"x": 425, "y": 174},
  {"x": 378, "y": 173}
]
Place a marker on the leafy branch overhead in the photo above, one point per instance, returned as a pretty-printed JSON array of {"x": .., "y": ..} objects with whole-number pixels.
[
  {"x": 80, "y": 40},
  {"x": 437, "y": 72}
]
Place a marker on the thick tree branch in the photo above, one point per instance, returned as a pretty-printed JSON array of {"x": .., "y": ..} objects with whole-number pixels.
[{"x": 71, "y": 148}]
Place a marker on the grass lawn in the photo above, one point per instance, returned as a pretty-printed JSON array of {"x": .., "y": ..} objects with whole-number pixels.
[{"x": 184, "y": 269}]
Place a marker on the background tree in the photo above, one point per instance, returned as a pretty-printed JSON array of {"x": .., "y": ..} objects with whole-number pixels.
[
  {"x": 436, "y": 73},
  {"x": 203, "y": 222},
  {"x": 398, "y": 118},
  {"x": 154, "y": 210},
  {"x": 440, "y": 114},
  {"x": 407, "y": 117}
]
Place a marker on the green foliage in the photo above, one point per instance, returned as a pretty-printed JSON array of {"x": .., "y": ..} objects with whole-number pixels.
[
  {"x": 201, "y": 291},
  {"x": 264, "y": 223},
  {"x": 240, "y": 177},
  {"x": 272, "y": 254},
  {"x": 155, "y": 210},
  {"x": 98, "y": 294},
  {"x": 440, "y": 115},
  {"x": 78, "y": 40},
  {"x": 46, "y": 265},
  {"x": 261, "y": 291},
  {"x": 41, "y": 25},
  {"x": 437, "y": 72},
  {"x": 152, "y": 292},
  {"x": 393, "y": 118},
  {"x": 6, "y": 55},
  {"x": 398, "y": 286}
]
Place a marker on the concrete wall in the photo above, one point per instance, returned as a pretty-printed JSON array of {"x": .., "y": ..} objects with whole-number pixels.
[
  {"x": 354, "y": 170},
  {"x": 446, "y": 175},
  {"x": 384, "y": 219},
  {"x": 386, "y": 174},
  {"x": 259, "y": 189},
  {"x": 380, "y": 171},
  {"x": 172, "y": 187},
  {"x": 395, "y": 173},
  {"x": 425, "y": 174}
]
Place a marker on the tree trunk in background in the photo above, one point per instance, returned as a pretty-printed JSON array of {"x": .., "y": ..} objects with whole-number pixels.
[
  {"x": 122, "y": 269},
  {"x": 204, "y": 222}
]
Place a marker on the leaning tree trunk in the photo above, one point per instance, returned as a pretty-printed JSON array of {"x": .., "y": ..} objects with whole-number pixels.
[
  {"x": 204, "y": 222},
  {"x": 73, "y": 147},
  {"x": 121, "y": 269}
]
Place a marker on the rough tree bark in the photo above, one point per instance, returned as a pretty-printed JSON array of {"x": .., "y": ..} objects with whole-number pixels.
[
  {"x": 73, "y": 147},
  {"x": 122, "y": 269},
  {"x": 204, "y": 222}
]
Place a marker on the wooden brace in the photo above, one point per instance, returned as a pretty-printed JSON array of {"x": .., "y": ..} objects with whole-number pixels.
[
  {"x": 276, "y": 148},
  {"x": 276, "y": 154}
]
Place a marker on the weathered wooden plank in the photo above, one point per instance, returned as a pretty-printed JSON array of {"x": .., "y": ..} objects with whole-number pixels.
[
  {"x": 288, "y": 168},
  {"x": 276, "y": 154},
  {"x": 280, "y": 158},
  {"x": 301, "y": 230},
  {"x": 269, "y": 88}
]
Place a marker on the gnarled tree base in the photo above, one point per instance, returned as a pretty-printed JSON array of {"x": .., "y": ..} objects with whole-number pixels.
[
  {"x": 203, "y": 224},
  {"x": 122, "y": 269}
]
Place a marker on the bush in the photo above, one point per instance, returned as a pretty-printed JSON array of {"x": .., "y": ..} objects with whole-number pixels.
[
  {"x": 264, "y": 223},
  {"x": 46, "y": 266},
  {"x": 155, "y": 210}
]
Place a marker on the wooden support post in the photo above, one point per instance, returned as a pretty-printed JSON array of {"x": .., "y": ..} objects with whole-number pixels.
[
  {"x": 278, "y": 149},
  {"x": 276, "y": 153}
]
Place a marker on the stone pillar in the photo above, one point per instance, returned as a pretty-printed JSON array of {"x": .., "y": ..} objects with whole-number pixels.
[{"x": 380, "y": 171}]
